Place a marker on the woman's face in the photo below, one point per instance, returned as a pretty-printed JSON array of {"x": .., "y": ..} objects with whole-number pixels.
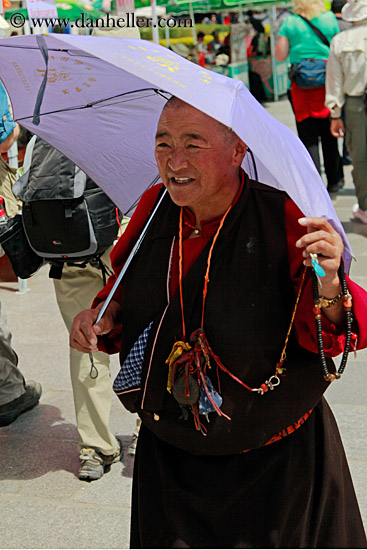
[{"x": 196, "y": 163}]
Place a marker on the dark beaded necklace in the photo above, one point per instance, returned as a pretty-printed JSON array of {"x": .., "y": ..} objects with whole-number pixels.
[{"x": 347, "y": 304}]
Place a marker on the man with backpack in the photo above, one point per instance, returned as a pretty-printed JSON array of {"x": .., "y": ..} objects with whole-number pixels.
[
  {"x": 92, "y": 396},
  {"x": 72, "y": 224}
]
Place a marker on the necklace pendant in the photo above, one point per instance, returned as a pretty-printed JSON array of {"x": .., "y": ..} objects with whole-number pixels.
[
  {"x": 319, "y": 272},
  {"x": 186, "y": 389}
]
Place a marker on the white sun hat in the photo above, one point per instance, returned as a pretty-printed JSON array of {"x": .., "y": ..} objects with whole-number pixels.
[{"x": 355, "y": 11}]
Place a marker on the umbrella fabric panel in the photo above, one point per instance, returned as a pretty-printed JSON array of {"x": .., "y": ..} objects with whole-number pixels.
[
  {"x": 265, "y": 135},
  {"x": 70, "y": 71},
  {"x": 164, "y": 70},
  {"x": 74, "y": 79},
  {"x": 123, "y": 168}
]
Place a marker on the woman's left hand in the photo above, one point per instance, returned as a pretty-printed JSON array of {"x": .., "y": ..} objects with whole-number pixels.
[{"x": 322, "y": 239}]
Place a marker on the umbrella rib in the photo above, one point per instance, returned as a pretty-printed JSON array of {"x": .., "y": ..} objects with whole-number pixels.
[
  {"x": 158, "y": 92},
  {"x": 12, "y": 46}
]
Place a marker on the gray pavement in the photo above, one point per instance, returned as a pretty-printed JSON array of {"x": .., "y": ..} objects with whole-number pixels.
[{"x": 42, "y": 502}]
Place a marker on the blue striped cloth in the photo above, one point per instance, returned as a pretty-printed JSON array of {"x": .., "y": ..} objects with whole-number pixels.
[{"x": 129, "y": 375}]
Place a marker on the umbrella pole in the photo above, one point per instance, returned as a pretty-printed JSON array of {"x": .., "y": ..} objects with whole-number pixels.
[
  {"x": 93, "y": 368},
  {"x": 128, "y": 261}
]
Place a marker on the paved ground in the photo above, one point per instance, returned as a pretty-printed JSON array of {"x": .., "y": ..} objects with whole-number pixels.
[{"x": 42, "y": 502}]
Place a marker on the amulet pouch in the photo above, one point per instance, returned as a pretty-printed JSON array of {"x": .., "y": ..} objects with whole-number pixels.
[{"x": 247, "y": 314}]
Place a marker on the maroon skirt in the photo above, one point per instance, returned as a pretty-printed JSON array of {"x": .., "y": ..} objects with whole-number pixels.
[{"x": 295, "y": 493}]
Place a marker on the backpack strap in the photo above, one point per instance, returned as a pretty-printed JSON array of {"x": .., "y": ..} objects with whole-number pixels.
[
  {"x": 106, "y": 271},
  {"x": 56, "y": 267},
  {"x": 55, "y": 271},
  {"x": 316, "y": 30}
]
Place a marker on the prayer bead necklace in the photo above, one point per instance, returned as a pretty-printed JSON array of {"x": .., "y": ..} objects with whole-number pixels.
[{"x": 347, "y": 304}]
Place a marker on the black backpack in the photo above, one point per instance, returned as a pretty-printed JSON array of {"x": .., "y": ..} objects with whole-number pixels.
[{"x": 67, "y": 218}]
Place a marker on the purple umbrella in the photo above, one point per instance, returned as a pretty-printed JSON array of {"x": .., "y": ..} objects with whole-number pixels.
[{"x": 98, "y": 101}]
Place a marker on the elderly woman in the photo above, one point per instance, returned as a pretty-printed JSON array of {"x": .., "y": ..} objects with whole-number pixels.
[
  {"x": 299, "y": 41},
  {"x": 231, "y": 453}
]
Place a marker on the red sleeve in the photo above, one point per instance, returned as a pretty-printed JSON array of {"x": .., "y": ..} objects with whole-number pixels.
[
  {"x": 304, "y": 323},
  {"x": 110, "y": 343}
]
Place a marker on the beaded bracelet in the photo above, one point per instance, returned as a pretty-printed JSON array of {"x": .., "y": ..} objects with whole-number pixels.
[{"x": 347, "y": 304}]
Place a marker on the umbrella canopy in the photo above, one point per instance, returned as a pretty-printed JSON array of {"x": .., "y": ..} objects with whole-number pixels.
[{"x": 102, "y": 100}]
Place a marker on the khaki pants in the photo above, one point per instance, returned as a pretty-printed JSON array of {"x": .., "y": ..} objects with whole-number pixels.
[
  {"x": 11, "y": 379},
  {"x": 356, "y": 141},
  {"x": 75, "y": 291}
]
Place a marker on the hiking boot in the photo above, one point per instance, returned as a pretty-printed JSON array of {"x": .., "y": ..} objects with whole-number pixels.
[
  {"x": 29, "y": 399},
  {"x": 359, "y": 213},
  {"x": 93, "y": 463}
]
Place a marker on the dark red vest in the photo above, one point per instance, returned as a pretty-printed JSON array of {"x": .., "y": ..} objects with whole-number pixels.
[{"x": 248, "y": 311}]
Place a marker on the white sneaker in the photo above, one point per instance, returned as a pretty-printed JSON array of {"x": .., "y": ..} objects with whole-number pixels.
[
  {"x": 93, "y": 463},
  {"x": 359, "y": 214}
]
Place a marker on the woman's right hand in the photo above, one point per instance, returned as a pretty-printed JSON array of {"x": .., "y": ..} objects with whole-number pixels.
[{"x": 84, "y": 333}]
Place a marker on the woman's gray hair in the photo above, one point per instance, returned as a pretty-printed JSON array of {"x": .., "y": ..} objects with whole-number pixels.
[
  {"x": 228, "y": 134},
  {"x": 308, "y": 8}
]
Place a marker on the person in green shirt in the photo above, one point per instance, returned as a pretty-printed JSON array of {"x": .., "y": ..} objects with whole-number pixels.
[{"x": 303, "y": 41}]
